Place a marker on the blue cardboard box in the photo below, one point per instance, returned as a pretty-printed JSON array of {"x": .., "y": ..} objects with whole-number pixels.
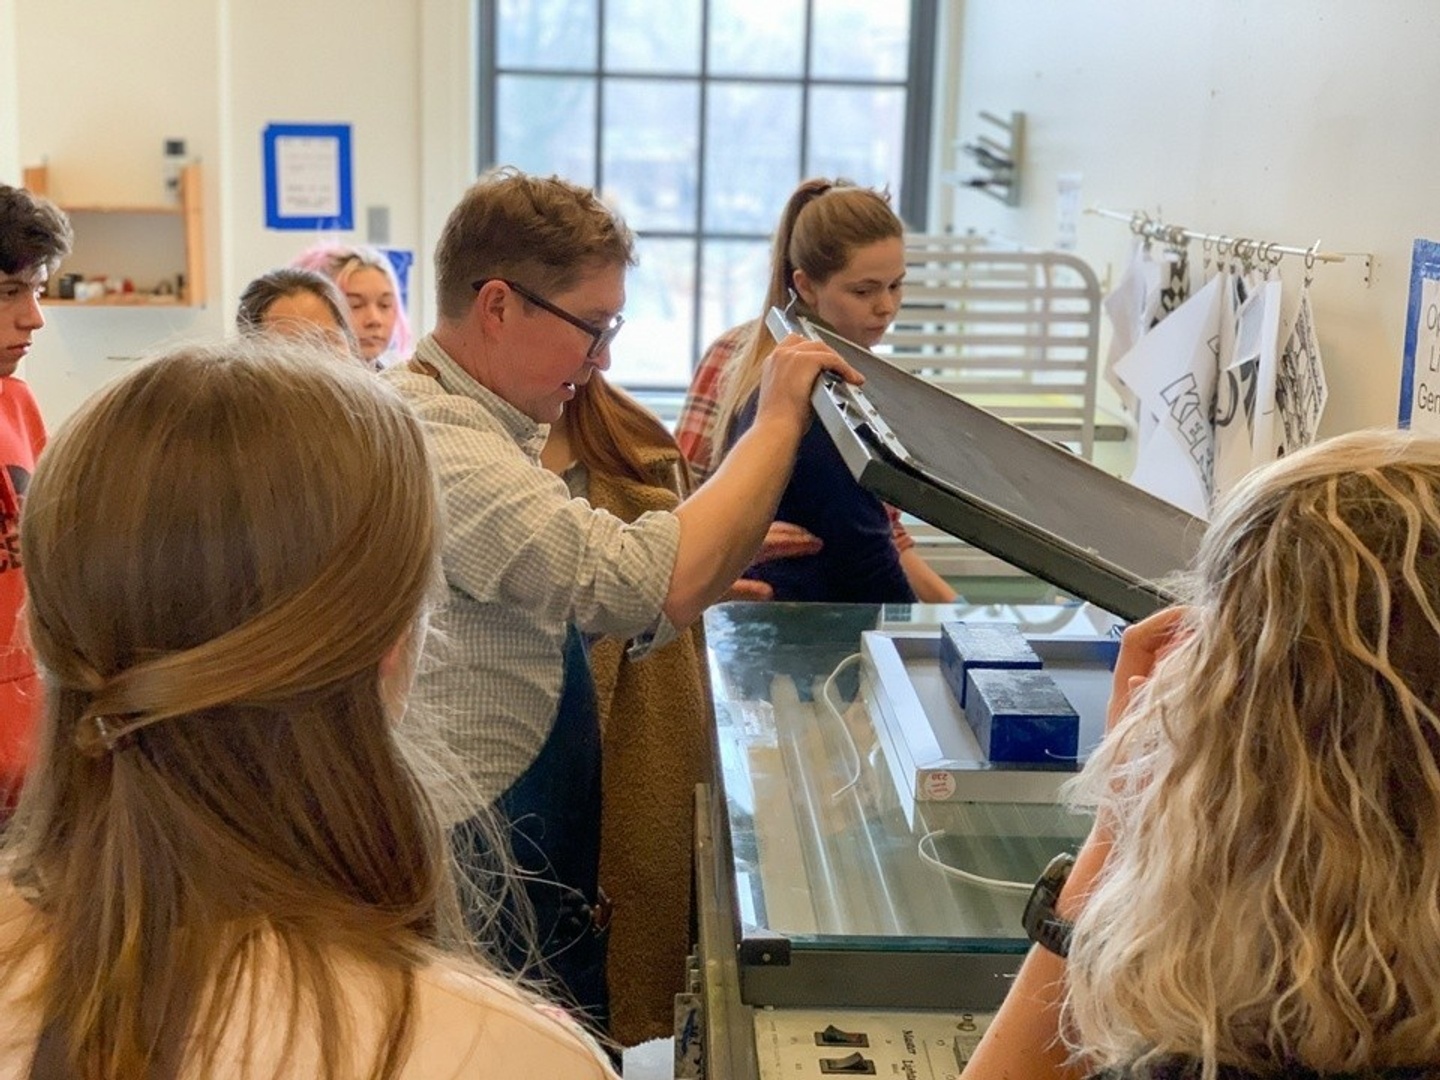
[
  {"x": 1022, "y": 716},
  {"x": 965, "y": 646}
]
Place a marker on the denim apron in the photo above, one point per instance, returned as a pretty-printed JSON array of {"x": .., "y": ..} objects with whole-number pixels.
[{"x": 554, "y": 815}]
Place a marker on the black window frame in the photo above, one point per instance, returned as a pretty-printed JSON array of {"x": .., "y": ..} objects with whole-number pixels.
[{"x": 912, "y": 198}]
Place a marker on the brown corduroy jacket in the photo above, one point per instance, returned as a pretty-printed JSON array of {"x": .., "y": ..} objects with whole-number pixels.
[{"x": 656, "y": 724}]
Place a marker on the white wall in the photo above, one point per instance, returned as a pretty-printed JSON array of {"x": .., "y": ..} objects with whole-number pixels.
[
  {"x": 1287, "y": 121},
  {"x": 93, "y": 88},
  {"x": 317, "y": 62},
  {"x": 97, "y": 88},
  {"x": 9, "y": 107}
]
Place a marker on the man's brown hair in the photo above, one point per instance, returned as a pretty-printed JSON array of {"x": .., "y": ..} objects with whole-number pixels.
[{"x": 542, "y": 231}]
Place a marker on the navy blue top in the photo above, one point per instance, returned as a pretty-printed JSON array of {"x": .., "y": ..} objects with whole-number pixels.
[{"x": 859, "y": 563}]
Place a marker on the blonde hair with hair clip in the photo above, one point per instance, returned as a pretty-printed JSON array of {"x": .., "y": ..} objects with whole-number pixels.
[
  {"x": 1272, "y": 898},
  {"x": 222, "y": 550}
]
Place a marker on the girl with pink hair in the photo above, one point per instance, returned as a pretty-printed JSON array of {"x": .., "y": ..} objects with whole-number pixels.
[{"x": 372, "y": 294}]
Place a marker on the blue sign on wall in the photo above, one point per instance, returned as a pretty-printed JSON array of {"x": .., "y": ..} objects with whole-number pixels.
[
  {"x": 401, "y": 259},
  {"x": 1420, "y": 367},
  {"x": 308, "y": 178}
]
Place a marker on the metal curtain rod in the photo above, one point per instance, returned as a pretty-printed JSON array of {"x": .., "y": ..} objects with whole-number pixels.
[{"x": 1142, "y": 224}]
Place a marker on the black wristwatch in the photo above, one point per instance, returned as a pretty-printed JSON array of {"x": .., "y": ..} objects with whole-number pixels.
[{"x": 1042, "y": 924}]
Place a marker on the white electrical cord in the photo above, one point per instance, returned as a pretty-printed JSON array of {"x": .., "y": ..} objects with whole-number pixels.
[
  {"x": 932, "y": 860},
  {"x": 849, "y": 661},
  {"x": 926, "y": 847}
]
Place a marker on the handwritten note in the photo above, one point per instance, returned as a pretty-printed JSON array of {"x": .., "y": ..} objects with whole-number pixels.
[{"x": 308, "y": 171}]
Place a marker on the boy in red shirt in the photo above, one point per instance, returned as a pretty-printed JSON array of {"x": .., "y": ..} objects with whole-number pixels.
[{"x": 34, "y": 236}]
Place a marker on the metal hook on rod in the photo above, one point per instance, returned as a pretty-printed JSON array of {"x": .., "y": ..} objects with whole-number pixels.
[{"x": 1227, "y": 245}]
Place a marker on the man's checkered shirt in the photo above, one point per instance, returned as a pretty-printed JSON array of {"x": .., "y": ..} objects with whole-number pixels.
[{"x": 521, "y": 559}]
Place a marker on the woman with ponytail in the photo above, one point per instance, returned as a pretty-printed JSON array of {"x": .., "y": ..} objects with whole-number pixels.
[
  {"x": 225, "y": 862},
  {"x": 839, "y": 255}
]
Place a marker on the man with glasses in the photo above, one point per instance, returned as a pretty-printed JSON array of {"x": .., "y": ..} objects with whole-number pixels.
[
  {"x": 34, "y": 236},
  {"x": 530, "y": 287}
]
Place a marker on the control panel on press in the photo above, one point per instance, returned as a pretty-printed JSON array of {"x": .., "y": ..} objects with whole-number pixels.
[{"x": 797, "y": 1044}]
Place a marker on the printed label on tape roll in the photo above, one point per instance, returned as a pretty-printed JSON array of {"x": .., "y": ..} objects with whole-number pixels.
[{"x": 938, "y": 785}]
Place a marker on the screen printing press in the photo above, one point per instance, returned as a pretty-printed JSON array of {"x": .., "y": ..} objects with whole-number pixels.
[{"x": 868, "y": 843}]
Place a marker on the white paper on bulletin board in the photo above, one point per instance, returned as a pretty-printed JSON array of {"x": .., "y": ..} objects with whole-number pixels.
[
  {"x": 308, "y": 182},
  {"x": 308, "y": 174}
]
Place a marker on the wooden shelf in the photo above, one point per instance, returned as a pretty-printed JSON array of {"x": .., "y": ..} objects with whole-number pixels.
[
  {"x": 81, "y": 208},
  {"x": 114, "y": 240},
  {"x": 117, "y": 300}
]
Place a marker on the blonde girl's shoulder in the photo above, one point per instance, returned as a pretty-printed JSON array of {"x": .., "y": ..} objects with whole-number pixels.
[
  {"x": 487, "y": 1026},
  {"x": 20, "y": 975}
]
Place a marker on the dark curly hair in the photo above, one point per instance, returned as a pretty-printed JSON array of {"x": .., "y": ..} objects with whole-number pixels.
[{"x": 34, "y": 232}]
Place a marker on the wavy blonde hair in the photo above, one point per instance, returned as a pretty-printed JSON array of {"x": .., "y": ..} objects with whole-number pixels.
[
  {"x": 221, "y": 551},
  {"x": 1272, "y": 898}
]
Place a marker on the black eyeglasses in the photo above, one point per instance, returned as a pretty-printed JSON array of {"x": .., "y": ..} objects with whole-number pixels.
[{"x": 600, "y": 336}]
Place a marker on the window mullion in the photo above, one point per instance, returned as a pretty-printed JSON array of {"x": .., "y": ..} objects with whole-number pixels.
[
  {"x": 919, "y": 115},
  {"x": 701, "y": 239},
  {"x": 807, "y": 57},
  {"x": 600, "y": 87},
  {"x": 486, "y": 58}
]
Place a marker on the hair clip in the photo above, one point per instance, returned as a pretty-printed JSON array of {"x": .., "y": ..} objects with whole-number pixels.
[
  {"x": 104, "y": 733},
  {"x": 94, "y": 737},
  {"x": 107, "y": 736}
]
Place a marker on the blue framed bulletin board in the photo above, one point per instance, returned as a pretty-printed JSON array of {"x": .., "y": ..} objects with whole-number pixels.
[
  {"x": 1420, "y": 367},
  {"x": 308, "y": 179}
]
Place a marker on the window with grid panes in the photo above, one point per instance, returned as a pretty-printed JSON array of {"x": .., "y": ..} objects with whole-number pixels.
[{"x": 697, "y": 118}]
